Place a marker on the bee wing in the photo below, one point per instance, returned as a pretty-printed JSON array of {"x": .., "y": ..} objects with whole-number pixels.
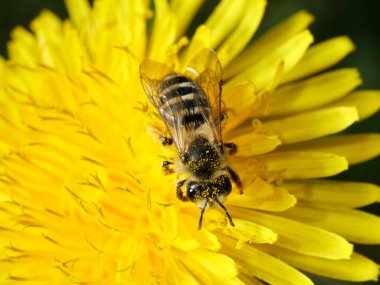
[
  {"x": 206, "y": 70},
  {"x": 152, "y": 74}
]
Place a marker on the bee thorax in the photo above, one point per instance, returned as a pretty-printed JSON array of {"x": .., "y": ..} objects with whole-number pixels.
[{"x": 202, "y": 158}]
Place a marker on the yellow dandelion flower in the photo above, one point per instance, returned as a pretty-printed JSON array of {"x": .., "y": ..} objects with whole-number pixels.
[{"x": 83, "y": 198}]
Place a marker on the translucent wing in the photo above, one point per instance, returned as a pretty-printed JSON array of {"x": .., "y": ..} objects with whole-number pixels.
[
  {"x": 206, "y": 70},
  {"x": 153, "y": 74},
  {"x": 188, "y": 103}
]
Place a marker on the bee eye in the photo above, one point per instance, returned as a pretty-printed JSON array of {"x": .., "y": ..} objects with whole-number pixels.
[{"x": 194, "y": 190}]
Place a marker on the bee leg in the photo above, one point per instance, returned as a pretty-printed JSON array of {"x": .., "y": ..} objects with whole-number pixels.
[
  {"x": 158, "y": 133},
  {"x": 235, "y": 178},
  {"x": 219, "y": 119},
  {"x": 166, "y": 167},
  {"x": 166, "y": 141},
  {"x": 179, "y": 192},
  {"x": 232, "y": 147}
]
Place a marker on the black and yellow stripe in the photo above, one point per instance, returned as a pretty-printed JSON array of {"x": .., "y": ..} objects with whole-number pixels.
[{"x": 180, "y": 98}]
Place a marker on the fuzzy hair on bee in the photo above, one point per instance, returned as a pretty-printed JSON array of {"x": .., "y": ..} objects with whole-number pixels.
[{"x": 189, "y": 104}]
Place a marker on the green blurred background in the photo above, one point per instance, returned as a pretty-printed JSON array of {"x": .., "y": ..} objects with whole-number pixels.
[{"x": 359, "y": 20}]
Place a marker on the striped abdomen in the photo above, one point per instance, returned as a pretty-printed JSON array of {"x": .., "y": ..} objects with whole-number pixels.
[{"x": 182, "y": 99}]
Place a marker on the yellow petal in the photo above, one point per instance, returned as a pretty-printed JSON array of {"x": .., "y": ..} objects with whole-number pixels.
[
  {"x": 210, "y": 34},
  {"x": 48, "y": 27},
  {"x": 280, "y": 201},
  {"x": 270, "y": 41},
  {"x": 242, "y": 33},
  {"x": 261, "y": 195},
  {"x": 320, "y": 57},
  {"x": 367, "y": 102},
  {"x": 209, "y": 266},
  {"x": 254, "y": 144},
  {"x": 264, "y": 266},
  {"x": 310, "y": 125},
  {"x": 164, "y": 31},
  {"x": 300, "y": 237},
  {"x": 246, "y": 231},
  {"x": 354, "y": 225},
  {"x": 135, "y": 14},
  {"x": 23, "y": 47},
  {"x": 240, "y": 96},
  {"x": 180, "y": 273},
  {"x": 79, "y": 11},
  {"x": 170, "y": 221},
  {"x": 190, "y": 238},
  {"x": 242, "y": 102},
  {"x": 357, "y": 269},
  {"x": 205, "y": 239},
  {"x": 200, "y": 40},
  {"x": 301, "y": 165},
  {"x": 104, "y": 40},
  {"x": 226, "y": 9},
  {"x": 355, "y": 148},
  {"x": 233, "y": 281},
  {"x": 334, "y": 193},
  {"x": 184, "y": 11},
  {"x": 314, "y": 92},
  {"x": 263, "y": 72},
  {"x": 249, "y": 280}
]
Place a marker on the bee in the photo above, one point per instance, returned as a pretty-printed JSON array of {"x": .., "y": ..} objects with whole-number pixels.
[{"x": 189, "y": 104}]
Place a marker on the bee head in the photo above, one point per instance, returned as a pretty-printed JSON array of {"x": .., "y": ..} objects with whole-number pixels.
[{"x": 208, "y": 193}]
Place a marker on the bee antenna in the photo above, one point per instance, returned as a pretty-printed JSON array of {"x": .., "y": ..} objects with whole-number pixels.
[
  {"x": 201, "y": 217},
  {"x": 225, "y": 210}
]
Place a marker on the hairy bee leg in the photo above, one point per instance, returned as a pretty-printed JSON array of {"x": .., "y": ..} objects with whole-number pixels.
[
  {"x": 232, "y": 147},
  {"x": 235, "y": 178},
  {"x": 166, "y": 141},
  {"x": 179, "y": 192},
  {"x": 158, "y": 133},
  {"x": 166, "y": 167}
]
